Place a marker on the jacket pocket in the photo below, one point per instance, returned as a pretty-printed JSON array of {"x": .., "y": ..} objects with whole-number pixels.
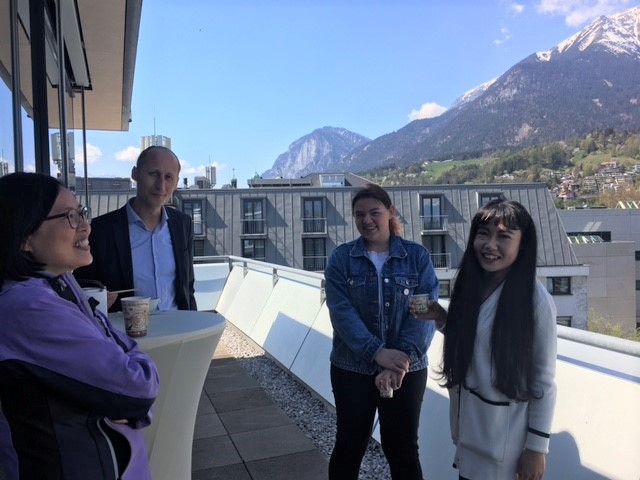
[{"x": 484, "y": 425}]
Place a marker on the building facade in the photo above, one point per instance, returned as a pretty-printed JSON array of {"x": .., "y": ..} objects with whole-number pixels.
[
  {"x": 608, "y": 240},
  {"x": 299, "y": 226}
]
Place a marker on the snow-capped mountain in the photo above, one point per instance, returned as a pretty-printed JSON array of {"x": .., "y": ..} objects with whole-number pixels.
[{"x": 589, "y": 81}]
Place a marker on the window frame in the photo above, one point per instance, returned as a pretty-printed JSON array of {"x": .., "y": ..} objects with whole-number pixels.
[
  {"x": 262, "y": 241},
  {"x": 554, "y": 286},
  {"x": 486, "y": 197},
  {"x": 255, "y": 225},
  {"x": 435, "y": 214},
  {"x": 188, "y": 209},
  {"x": 318, "y": 223},
  {"x": 317, "y": 258}
]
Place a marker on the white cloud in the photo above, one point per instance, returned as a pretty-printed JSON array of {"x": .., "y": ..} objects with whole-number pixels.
[
  {"x": 513, "y": 7},
  {"x": 93, "y": 154},
  {"x": 579, "y": 12},
  {"x": 505, "y": 35},
  {"x": 427, "y": 110},
  {"x": 129, "y": 154},
  {"x": 516, "y": 8}
]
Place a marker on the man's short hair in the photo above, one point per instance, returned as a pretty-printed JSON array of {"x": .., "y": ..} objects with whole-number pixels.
[{"x": 142, "y": 158}]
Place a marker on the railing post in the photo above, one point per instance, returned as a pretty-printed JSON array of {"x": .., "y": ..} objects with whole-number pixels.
[
  {"x": 274, "y": 276},
  {"x": 323, "y": 293}
]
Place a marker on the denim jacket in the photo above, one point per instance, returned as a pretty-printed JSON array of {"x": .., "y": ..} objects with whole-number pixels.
[{"x": 360, "y": 327}]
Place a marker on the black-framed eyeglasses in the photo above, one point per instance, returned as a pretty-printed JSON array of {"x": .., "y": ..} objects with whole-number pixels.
[{"x": 75, "y": 217}]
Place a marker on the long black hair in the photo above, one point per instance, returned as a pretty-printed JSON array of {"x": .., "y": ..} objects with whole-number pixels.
[
  {"x": 25, "y": 201},
  {"x": 513, "y": 327}
]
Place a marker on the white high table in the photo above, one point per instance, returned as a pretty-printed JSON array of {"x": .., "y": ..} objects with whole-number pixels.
[{"x": 181, "y": 343}]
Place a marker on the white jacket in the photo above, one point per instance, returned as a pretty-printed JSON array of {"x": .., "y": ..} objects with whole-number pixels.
[{"x": 490, "y": 430}]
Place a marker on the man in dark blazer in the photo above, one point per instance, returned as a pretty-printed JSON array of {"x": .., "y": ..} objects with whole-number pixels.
[{"x": 152, "y": 226}]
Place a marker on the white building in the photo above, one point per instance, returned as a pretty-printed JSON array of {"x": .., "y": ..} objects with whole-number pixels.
[{"x": 608, "y": 240}]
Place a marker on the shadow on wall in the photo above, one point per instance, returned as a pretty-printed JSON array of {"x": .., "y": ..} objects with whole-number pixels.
[{"x": 564, "y": 461}]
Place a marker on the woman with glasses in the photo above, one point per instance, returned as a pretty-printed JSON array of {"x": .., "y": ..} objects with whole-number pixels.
[{"x": 75, "y": 392}]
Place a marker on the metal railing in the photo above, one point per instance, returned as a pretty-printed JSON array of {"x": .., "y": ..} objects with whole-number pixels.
[
  {"x": 314, "y": 263},
  {"x": 253, "y": 227},
  {"x": 434, "y": 222},
  {"x": 441, "y": 260},
  {"x": 314, "y": 225}
]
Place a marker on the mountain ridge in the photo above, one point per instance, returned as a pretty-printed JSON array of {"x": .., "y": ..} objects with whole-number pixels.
[{"x": 590, "y": 80}]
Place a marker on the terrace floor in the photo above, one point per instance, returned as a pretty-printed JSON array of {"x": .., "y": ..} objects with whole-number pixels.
[{"x": 241, "y": 434}]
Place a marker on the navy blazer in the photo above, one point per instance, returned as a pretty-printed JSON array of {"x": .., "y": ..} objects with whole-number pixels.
[{"x": 112, "y": 264}]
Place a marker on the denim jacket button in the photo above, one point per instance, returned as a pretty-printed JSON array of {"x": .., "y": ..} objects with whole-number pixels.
[
  {"x": 406, "y": 291},
  {"x": 386, "y": 280},
  {"x": 386, "y": 304}
]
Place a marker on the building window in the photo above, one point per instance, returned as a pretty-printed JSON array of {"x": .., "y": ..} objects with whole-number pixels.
[
  {"x": 194, "y": 209},
  {"x": 198, "y": 247},
  {"x": 564, "y": 320},
  {"x": 253, "y": 216},
  {"x": 559, "y": 285},
  {"x": 432, "y": 218},
  {"x": 436, "y": 246},
  {"x": 253, "y": 248},
  {"x": 605, "y": 236},
  {"x": 637, "y": 255},
  {"x": 444, "y": 289},
  {"x": 637, "y": 284},
  {"x": 332, "y": 180},
  {"x": 484, "y": 198},
  {"x": 314, "y": 254},
  {"x": 313, "y": 216}
]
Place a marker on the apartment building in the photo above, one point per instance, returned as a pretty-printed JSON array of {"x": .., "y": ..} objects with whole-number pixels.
[
  {"x": 299, "y": 222},
  {"x": 608, "y": 240}
]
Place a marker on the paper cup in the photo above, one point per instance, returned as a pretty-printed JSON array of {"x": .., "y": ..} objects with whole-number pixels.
[
  {"x": 99, "y": 295},
  {"x": 420, "y": 302},
  {"x": 136, "y": 315},
  {"x": 386, "y": 393}
]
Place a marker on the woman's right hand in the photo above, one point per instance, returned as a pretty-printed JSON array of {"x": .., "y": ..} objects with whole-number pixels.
[
  {"x": 435, "y": 312},
  {"x": 395, "y": 360}
]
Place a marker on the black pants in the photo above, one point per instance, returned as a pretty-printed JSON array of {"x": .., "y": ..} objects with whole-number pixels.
[{"x": 357, "y": 399}]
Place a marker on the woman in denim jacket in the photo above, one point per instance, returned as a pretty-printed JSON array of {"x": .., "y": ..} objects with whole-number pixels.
[{"x": 377, "y": 346}]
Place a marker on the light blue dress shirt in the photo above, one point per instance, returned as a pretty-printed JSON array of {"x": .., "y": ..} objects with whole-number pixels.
[{"x": 154, "y": 264}]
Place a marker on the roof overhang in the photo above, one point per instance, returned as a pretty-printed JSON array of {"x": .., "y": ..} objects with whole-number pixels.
[{"x": 101, "y": 40}]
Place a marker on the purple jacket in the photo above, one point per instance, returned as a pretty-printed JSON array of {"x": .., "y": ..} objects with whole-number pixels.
[{"x": 65, "y": 374}]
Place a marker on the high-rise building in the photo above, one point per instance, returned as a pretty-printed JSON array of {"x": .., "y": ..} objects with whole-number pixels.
[
  {"x": 211, "y": 174},
  {"x": 70, "y": 164},
  {"x": 4, "y": 168},
  {"x": 155, "y": 140}
]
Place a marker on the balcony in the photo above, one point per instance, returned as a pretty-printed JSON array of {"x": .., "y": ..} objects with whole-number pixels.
[
  {"x": 314, "y": 225},
  {"x": 314, "y": 263},
  {"x": 441, "y": 260},
  {"x": 253, "y": 227},
  {"x": 434, "y": 223},
  {"x": 595, "y": 432}
]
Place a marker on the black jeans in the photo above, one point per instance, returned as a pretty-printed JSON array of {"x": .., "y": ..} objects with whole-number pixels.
[{"x": 357, "y": 399}]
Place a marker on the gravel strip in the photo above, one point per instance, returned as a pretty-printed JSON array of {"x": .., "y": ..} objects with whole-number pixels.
[{"x": 308, "y": 412}]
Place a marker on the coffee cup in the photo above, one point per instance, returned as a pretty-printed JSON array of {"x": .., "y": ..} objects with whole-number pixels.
[
  {"x": 99, "y": 295},
  {"x": 388, "y": 393},
  {"x": 420, "y": 302},
  {"x": 136, "y": 315}
]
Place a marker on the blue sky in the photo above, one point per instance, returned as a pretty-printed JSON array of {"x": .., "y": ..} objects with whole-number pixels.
[{"x": 235, "y": 82}]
